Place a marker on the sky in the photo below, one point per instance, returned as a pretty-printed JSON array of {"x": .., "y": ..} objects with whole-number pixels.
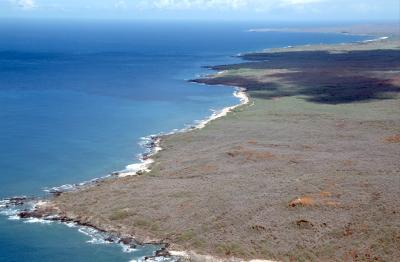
[{"x": 288, "y": 10}]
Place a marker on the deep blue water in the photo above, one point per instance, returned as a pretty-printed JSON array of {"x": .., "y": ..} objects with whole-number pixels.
[{"x": 75, "y": 97}]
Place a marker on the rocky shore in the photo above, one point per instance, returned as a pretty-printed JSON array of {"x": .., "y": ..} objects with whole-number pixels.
[{"x": 33, "y": 208}]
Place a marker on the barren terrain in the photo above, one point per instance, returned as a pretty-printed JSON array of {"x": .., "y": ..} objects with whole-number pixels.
[{"x": 308, "y": 170}]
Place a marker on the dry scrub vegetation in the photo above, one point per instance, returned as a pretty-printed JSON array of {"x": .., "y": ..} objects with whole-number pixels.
[{"x": 310, "y": 172}]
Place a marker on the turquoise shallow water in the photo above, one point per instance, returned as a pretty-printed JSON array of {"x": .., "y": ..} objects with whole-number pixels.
[{"x": 75, "y": 98}]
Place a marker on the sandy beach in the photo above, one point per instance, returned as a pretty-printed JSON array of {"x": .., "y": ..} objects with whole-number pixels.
[{"x": 306, "y": 170}]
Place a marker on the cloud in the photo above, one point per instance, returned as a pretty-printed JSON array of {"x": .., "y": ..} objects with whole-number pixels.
[
  {"x": 170, "y": 4},
  {"x": 120, "y": 4},
  {"x": 24, "y": 4},
  {"x": 198, "y": 4},
  {"x": 223, "y": 4},
  {"x": 300, "y": 2}
]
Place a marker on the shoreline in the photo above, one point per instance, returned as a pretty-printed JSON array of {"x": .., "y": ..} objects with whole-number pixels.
[
  {"x": 151, "y": 145},
  {"x": 39, "y": 211},
  {"x": 155, "y": 141}
]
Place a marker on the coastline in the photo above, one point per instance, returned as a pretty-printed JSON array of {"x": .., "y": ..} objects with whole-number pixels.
[
  {"x": 154, "y": 141},
  {"x": 151, "y": 143},
  {"x": 40, "y": 210},
  {"x": 151, "y": 146},
  {"x": 156, "y": 146}
]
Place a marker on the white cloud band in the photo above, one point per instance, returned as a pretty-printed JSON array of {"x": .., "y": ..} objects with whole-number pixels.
[
  {"x": 224, "y": 4},
  {"x": 24, "y": 4}
]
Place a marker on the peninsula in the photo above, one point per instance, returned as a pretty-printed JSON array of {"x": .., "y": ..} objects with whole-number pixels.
[{"x": 307, "y": 170}]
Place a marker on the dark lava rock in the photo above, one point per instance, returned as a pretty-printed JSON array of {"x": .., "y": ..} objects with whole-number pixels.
[
  {"x": 109, "y": 239},
  {"x": 63, "y": 219},
  {"x": 127, "y": 241},
  {"x": 17, "y": 201},
  {"x": 24, "y": 214},
  {"x": 162, "y": 253},
  {"x": 56, "y": 192},
  {"x": 140, "y": 172},
  {"x": 302, "y": 223},
  {"x": 115, "y": 173},
  {"x": 30, "y": 214}
]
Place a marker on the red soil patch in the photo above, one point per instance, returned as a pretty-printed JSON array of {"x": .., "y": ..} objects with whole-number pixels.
[
  {"x": 331, "y": 203},
  {"x": 348, "y": 163},
  {"x": 302, "y": 201},
  {"x": 393, "y": 139},
  {"x": 323, "y": 198},
  {"x": 251, "y": 155},
  {"x": 252, "y": 142},
  {"x": 325, "y": 194}
]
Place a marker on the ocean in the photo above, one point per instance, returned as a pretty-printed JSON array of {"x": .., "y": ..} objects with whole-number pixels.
[{"x": 76, "y": 97}]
